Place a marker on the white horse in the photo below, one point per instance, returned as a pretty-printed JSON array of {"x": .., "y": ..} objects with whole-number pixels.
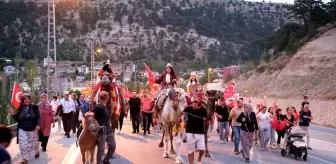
[{"x": 170, "y": 118}]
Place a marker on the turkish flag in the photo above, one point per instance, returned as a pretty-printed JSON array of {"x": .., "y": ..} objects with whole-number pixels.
[
  {"x": 151, "y": 79},
  {"x": 16, "y": 95}
]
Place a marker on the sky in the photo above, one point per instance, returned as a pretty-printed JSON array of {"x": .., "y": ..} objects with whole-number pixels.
[{"x": 281, "y": 1}]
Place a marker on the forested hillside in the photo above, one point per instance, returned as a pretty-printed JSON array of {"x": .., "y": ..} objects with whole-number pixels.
[{"x": 219, "y": 32}]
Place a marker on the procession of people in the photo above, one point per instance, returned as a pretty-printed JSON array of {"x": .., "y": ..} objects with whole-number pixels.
[{"x": 247, "y": 125}]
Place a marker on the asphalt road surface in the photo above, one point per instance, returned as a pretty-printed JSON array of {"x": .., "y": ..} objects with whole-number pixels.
[{"x": 140, "y": 149}]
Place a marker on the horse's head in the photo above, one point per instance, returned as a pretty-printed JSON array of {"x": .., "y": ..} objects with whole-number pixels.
[
  {"x": 105, "y": 79},
  {"x": 93, "y": 126},
  {"x": 178, "y": 100},
  {"x": 212, "y": 97}
]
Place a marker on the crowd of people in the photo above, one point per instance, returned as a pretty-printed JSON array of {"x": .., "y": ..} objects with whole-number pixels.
[
  {"x": 259, "y": 126},
  {"x": 248, "y": 126}
]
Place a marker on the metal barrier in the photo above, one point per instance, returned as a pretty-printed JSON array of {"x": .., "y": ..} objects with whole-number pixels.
[{"x": 13, "y": 129}]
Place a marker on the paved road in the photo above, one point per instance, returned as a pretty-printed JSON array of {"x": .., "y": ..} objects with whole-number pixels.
[{"x": 139, "y": 149}]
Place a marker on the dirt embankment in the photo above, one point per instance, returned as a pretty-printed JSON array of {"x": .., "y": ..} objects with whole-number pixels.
[{"x": 311, "y": 71}]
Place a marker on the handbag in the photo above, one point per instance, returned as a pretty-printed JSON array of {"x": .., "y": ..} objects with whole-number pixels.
[{"x": 80, "y": 116}]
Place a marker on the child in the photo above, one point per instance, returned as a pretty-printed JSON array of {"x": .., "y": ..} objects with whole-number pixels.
[{"x": 5, "y": 139}]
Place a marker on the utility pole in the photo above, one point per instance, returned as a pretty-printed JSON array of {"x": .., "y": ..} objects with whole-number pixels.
[
  {"x": 135, "y": 81},
  {"x": 92, "y": 63},
  {"x": 51, "y": 44}
]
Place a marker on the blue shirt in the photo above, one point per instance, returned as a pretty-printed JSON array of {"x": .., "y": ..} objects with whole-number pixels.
[
  {"x": 4, "y": 156},
  {"x": 85, "y": 107},
  {"x": 304, "y": 121}
]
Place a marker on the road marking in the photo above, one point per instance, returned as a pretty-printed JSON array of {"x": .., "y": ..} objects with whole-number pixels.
[
  {"x": 320, "y": 159},
  {"x": 315, "y": 126},
  {"x": 324, "y": 142},
  {"x": 71, "y": 155}
]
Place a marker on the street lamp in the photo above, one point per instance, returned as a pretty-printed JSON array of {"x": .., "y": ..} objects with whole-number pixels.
[
  {"x": 96, "y": 52},
  {"x": 209, "y": 71}
]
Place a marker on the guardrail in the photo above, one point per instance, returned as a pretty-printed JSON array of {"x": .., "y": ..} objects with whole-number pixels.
[{"x": 13, "y": 128}]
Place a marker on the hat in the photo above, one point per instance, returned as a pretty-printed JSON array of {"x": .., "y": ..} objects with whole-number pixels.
[
  {"x": 193, "y": 74},
  {"x": 107, "y": 62},
  {"x": 169, "y": 65},
  {"x": 66, "y": 93}
]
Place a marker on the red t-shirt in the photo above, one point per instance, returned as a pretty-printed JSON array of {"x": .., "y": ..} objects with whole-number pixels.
[{"x": 146, "y": 105}]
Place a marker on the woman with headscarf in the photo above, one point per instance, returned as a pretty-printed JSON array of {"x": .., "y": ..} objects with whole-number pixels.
[
  {"x": 249, "y": 125},
  {"x": 46, "y": 120},
  {"x": 28, "y": 125}
]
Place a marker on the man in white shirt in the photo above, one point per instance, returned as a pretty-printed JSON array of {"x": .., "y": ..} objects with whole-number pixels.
[
  {"x": 66, "y": 109},
  {"x": 54, "y": 104}
]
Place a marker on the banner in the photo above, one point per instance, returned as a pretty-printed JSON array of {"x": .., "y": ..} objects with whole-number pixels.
[{"x": 16, "y": 95}]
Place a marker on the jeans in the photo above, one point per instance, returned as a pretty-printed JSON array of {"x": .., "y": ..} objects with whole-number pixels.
[
  {"x": 222, "y": 126},
  {"x": 147, "y": 121},
  {"x": 109, "y": 139},
  {"x": 265, "y": 135},
  {"x": 306, "y": 129},
  {"x": 236, "y": 131},
  {"x": 272, "y": 136}
]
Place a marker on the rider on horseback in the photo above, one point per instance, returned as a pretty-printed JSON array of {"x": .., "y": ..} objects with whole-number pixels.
[{"x": 166, "y": 80}]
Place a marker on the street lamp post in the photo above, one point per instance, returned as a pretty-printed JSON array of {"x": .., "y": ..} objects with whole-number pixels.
[{"x": 209, "y": 71}]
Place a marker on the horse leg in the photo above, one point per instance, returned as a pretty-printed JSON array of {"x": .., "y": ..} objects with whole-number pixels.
[
  {"x": 83, "y": 155},
  {"x": 172, "y": 151},
  {"x": 161, "y": 142},
  {"x": 207, "y": 154},
  {"x": 92, "y": 155},
  {"x": 166, "y": 142}
]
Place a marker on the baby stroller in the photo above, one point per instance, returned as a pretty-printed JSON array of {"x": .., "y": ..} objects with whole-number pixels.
[{"x": 296, "y": 145}]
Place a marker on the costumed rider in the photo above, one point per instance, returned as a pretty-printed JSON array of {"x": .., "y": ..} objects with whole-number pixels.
[
  {"x": 107, "y": 83},
  {"x": 192, "y": 84},
  {"x": 166, "y": 80}
]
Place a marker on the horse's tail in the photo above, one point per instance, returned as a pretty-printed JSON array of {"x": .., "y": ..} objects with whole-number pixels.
[{"x": 77, "y": 142}]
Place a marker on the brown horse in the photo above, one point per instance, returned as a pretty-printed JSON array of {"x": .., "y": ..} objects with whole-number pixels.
[
  {"x": 87, "y": 139},
  {"x": 212, "y": 97}
]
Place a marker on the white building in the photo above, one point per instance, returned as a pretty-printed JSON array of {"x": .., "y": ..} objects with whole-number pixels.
[{"x": 83, "y": 69}]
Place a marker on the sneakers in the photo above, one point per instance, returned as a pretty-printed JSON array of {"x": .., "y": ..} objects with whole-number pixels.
[
  {"x": 309, "y": 148},
  {"x": 247, "y": 160},
  {"x": 221, "y": 141},
  {"x": 236, "y": 152}
]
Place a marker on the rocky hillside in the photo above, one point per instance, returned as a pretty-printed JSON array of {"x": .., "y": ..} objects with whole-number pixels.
[
  {"x": 217, "y": 31},
  {"x": 311, "y": 71}
]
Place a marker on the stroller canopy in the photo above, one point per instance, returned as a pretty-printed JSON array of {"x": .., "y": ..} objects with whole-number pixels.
[{"x": 297, "y": 131}]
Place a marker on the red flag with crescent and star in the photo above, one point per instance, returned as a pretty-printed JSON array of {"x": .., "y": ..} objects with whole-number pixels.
[
  {"x": 16, "y": 95},
  {"x": 151, "y": 80}
]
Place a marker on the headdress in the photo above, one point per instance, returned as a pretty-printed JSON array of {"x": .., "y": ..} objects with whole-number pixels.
[{"x": 169, "y": 65}]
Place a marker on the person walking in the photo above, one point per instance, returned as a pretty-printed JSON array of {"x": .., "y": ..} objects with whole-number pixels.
[
  {"x": 264, "y": 122},
  {"x": 66, "y": 110},
  {"x": 147, "y": 113},
  {"x": 78, "y": 107},
  {"x": 28, "y": 120},
  {"x": 85, "y": 105},
  {"x": 222, "y": 114},
  {"x": 5, "y": 139},
  {"x": 123, "y": 114},
  {"x": 135, "y": 105},
  {"x": 249, "y": 125},
  {"x": 46, "y": 120},
  {"x": 194, "y": 117},
  {"x": 54, "y": 104},
  {"x": 305, "y": 119},
  {"x": 236, "y": 126},
  {"x": 100, "y": 113}
]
